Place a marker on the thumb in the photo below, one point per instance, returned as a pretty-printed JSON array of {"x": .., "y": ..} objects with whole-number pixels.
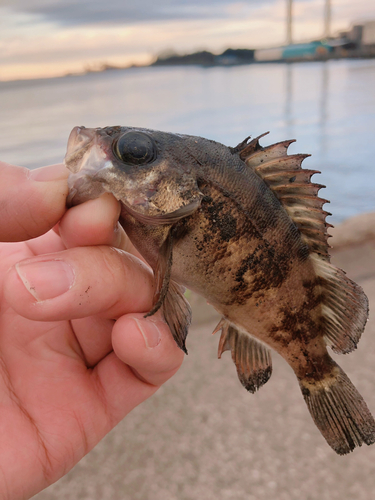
[
  {"x": 147, "y": 346},
  {"x": 31, "y": 201}
]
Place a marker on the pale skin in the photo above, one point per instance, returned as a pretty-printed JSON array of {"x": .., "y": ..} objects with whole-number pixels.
[{"x": 76, "y": 354}]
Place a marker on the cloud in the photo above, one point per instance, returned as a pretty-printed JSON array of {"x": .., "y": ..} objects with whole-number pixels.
[
  {"x": 50, "y": 37},
  {"x": 72, "y": 13}
]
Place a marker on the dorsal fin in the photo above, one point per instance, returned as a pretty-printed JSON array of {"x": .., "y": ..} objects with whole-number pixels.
[
  {"x": 344, "y": 307},
  {"x": 293, "y": 187}
]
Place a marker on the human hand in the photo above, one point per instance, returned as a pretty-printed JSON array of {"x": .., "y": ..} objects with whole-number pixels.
[{"x": 76, "y": 354}]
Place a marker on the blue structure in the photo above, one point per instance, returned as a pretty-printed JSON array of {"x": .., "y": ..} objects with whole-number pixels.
[{"x": 306, "y": 50}]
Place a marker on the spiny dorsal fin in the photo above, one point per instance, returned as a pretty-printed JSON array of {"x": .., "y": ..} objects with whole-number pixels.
[
  {"x": 293, "y": 187},
  {"x": 252, "y": 359},
  {"x": 248, "y": 148}
]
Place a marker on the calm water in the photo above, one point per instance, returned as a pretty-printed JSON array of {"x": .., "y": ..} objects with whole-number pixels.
[{"x": 328, "y": 107}]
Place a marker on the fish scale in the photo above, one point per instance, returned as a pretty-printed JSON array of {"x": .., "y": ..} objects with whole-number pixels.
[{"x": 245, "y": 228}]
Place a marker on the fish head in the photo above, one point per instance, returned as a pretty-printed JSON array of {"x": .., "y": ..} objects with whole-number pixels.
[{"x": 150, "y": 172}]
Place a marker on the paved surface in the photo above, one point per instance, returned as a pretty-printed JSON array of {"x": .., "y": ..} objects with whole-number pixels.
[{"x": 202, "y": 436}]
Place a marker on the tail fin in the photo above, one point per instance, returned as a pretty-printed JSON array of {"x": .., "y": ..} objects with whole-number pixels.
[{"x": 339, "y": 411}]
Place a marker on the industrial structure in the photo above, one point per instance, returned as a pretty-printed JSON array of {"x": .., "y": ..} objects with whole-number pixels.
[
  {"x": 289, "y": 21},
  {"x": 359, "y": 41}
]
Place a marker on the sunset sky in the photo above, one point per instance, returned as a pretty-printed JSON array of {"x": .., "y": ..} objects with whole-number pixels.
[{"x": 41, "y": 38}]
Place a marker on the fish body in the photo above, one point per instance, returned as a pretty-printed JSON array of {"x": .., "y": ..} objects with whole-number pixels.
[{"x": 244, "y": 228}]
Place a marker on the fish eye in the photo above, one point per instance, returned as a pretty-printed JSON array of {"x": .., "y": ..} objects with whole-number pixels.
[{"x": 135, "y": 148}]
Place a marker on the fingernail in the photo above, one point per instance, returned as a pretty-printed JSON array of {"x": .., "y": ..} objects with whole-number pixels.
[
  {"x": 150, "y": 332},
  {"x": 51, "y": 173},
  {"x": 46, "y": 279}
]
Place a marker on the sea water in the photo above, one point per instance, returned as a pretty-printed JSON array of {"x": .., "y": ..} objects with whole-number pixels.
[{"x": 328, "y": 107}]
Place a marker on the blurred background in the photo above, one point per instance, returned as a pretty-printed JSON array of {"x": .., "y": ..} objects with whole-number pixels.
[
  {"x": 302, "y": 69},
  {"x": 217, "y": 68}
]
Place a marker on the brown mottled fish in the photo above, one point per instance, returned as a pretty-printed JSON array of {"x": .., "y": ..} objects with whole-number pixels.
[{"x": 243, "y": 227}]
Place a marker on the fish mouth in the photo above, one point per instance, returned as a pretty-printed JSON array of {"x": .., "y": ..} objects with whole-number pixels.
[
  {"x": 80, "y": 140},
  {"x": 86, "y": 159}
]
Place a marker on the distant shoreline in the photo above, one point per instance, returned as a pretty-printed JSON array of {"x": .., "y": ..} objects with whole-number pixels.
[
  {"x": 231, "y": 58},
  {"x": 207, "y": 59}
]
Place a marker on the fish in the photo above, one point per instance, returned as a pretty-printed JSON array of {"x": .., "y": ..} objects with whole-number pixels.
[{"x": 245, "y": 228}]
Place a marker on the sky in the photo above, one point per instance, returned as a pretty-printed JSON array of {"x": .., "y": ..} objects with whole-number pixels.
[{"x": 46, "y": 38}]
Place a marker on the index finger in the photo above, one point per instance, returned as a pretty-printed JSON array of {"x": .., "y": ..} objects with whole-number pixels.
[{"x": 31, "y": 202}]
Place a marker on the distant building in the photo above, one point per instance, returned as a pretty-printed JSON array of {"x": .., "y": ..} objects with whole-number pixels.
[
  {"x": 363, "y": 38},
  {"x": 355, "y": 34},
  {"x": 296, "y": 51},
  {"x": 368, "y": 33}
]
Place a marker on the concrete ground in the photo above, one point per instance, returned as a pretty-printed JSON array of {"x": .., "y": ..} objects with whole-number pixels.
[{"x": 202, "y": 436}]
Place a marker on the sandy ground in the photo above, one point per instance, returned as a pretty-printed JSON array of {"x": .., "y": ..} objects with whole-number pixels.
[{"x": 202, "y": 436}]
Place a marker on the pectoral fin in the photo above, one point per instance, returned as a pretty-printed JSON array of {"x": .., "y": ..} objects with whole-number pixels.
[
  {"x": 169, "y": 295},
  {"x": 252, "y": 359},
  {"x": 177, "y": 314},
  {"x": 162, "y": 274}
]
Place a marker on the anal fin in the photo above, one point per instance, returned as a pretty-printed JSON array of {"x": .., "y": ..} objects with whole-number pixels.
[{"x": 252, "y": 359}]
